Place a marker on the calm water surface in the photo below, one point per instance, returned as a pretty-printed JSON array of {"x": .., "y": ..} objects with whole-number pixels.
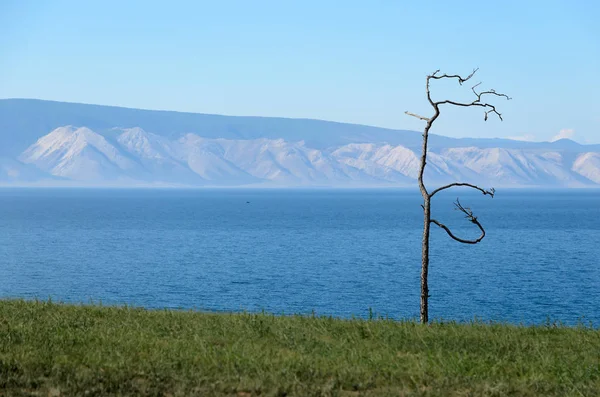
[{"x": 337, "y": 252}]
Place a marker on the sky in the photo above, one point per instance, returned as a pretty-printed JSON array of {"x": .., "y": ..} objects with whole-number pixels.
[{"x": 351, "y": 61}]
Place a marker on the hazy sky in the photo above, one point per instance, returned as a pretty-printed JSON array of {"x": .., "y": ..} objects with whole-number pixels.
[{"x": 352, "y": 61}]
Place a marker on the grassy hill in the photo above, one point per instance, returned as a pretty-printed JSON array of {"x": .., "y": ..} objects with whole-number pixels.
[{"x": 54, "y": 349}]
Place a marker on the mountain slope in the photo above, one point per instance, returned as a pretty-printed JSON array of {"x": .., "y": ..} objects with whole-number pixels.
[
  {"x": 80, "y": 154},
  {"x": 134, "y": 155},
  {"x": 119, "y": 146},
  {"x": 23, "y": 121},
  {"x": 588, "y": 166},
  {"x": 160, "y": 157},
  {"x": 13, "y": 171}
]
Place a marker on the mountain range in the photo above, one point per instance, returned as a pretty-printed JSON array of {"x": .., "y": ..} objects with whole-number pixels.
[{"x": 65, "y": 144}]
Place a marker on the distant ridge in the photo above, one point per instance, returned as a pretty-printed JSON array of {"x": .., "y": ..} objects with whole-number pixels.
[
  {"x": 29, "y": 119},
  {"x": 82, "y": 144}
]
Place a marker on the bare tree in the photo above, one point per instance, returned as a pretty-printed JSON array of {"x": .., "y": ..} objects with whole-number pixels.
[{"x": 488, "y": 108}]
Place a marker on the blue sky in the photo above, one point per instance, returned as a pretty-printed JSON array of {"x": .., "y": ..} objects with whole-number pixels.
[{"x": 351, "y": 61}]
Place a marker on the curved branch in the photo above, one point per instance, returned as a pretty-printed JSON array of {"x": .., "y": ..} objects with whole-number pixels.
[
  {"x": 469, "y": 215},
  {"x": 490, "y": 92},
  {"x": 490, "y": 192},
  {"x": 476, "y": 103}
]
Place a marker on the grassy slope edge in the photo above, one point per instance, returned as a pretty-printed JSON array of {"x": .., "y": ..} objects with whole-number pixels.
[{"x": 57, "y": 349}]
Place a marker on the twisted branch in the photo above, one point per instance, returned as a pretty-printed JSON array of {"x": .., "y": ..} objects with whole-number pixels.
[
  {"x": 461, "y": 80},
  {"x": 472, "y": 218},
  {"x": 485, "y": 192}
]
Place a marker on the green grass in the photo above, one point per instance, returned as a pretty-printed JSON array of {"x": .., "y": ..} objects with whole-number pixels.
[{"x": 55, "y": 349}]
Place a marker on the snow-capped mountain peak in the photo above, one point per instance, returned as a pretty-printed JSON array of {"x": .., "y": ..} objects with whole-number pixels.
[
  {"x": 133, "y": 154},
  {"x": 79, "y": 154}
]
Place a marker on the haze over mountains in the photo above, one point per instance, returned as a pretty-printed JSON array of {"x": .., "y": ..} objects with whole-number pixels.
[{"x": 54, "y": 143}]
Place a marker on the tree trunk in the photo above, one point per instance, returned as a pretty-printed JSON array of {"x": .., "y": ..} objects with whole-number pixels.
[
  {"x": 427, "y": 221},
  {"x": 425, "y": 261}
]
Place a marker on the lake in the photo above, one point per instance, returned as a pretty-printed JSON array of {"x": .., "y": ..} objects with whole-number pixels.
[{"x": 334, "y": 252}]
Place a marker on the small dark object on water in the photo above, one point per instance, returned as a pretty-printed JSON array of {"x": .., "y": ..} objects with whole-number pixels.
[{"x": 247, "y": 202}]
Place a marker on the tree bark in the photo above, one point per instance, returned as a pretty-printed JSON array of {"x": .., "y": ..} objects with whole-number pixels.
[
  {"x": 424, "y": 317},
  {"x": 425, "y": 261}
]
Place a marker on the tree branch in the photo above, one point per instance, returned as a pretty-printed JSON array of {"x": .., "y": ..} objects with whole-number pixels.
[
  {"x": 461, "y": 80},
  {"x": 472, "y": 218},
  {"x": 477, "y": 102},
  {"x": 490, "y": 192},
  {"x": 417, "y": 116}
]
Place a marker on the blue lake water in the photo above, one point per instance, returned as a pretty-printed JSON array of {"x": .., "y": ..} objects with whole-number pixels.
[{"x": 337, "y": 252}]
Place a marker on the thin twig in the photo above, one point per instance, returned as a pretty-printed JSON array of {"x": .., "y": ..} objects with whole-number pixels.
[{"x": 417, "y": 116}]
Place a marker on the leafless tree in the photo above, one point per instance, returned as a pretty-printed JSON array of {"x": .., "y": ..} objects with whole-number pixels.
[{"x": 479, "y": 101}]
